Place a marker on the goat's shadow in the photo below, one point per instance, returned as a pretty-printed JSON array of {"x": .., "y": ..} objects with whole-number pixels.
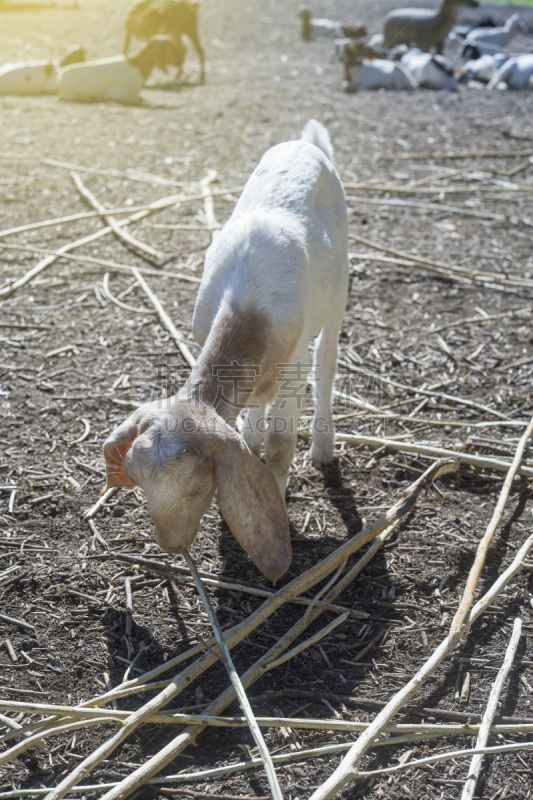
[{"x": 174, "y": 85}]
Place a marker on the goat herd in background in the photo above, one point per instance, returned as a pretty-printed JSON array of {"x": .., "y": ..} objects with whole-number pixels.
[{"x": 400, "y": 57}]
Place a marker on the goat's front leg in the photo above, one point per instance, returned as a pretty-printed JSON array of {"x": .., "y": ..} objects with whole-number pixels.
[
  {"x": 280, "y": 442},
  {"x": 280, "y": 439},
  {"x": 253, "y": 431},
  {"x": 324, "y": 370}
]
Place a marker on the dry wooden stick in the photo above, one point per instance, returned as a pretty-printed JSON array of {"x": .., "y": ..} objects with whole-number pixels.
[
  {"x": 52, "y": 728},
  {"x": 512, "y": 189},
  {"x": 164, "y": 202},
  {"x": 446, "y": 270},
  {"x": 113, "y": 265},
  {"x": 129, "y": 607},
  {"x": 209, "y": 208},
  {"x": 142, "y": 211},
  {"x": 138, "y": 684},
  {"x": 464, "y": 401},
  {"x": 463, "y": 212},
  {"x": 346, "y": 771},
  {"x": 165, "y": 319},
  {"x": 448, "y": 756},
  {"x": 471, "y": 320},
  {"x": 241, "y": 631},
  {"x": 119, "y": 303},
  {"x": 49, "y": 223},
  {"x": 300, "y": 723},
  {"x": 145, "y": 177},
  {"x": 109, "y": 219},
  {"x": 483, "y": 462},
  {"x": 179, "y": 573},
  {"x": 182, "y": 227},
  {"x": 210, "y": 796},
  {"x": 304, "y": 645},
  {"x": 286, "y": 758},
  {"x": 481, "y": 553},
  {"x": 521, "y": 136},
  {"x": 461, "y": 154},
  {"x": 236, "y": 683},
  {"x": 8, "y": 290},
  {"x": 427, "y": 421},
  {"x": 256, "y": 671},
  {"x": 91, "y": 512},
  {"x": 85, "y": 434},
  {"x": 488, "y": 716},
  {"x": 241, "y": 766}
]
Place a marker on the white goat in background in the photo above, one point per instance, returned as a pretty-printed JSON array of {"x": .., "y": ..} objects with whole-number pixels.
[
  {"x": 516, "y": 73},
  {"x": 276, "y": 277},
  {"x": 500, "y": 37},
  {"x": 380, "y": 73},
  {"x": 119, "y": 78},
  {"x": 481, "y": 69},
  {"x": 29, "y": 77},
  {"x": 429, "y": 71}
]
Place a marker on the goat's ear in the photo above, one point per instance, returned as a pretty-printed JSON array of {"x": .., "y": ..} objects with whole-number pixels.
[
  {"x": 251, "y": 503},
  {"x": 115, "y": 449}
]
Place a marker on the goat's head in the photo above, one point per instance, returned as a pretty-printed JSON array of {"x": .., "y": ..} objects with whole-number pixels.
[
  {"x": 74, "y": 55},
  {"x": 180, "y": 453},
  {"x": 304, "y": 13},
  {"x": 159, "y": 51},
  {"x": 340, "y": 47},
  {"x": 470, "y": 52},
  {"x": 516, "y": 24}
]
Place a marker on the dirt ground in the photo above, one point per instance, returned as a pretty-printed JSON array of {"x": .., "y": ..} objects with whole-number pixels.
[{"x": 68, "y": 354}]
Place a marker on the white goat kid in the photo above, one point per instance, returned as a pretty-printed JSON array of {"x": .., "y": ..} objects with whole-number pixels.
[
  {"x": 516, "y": 73},
  {"x": 379, "y": 73},
  {"x": 275, "y": 278},
  {"x": 473, "y": 50},
  {"x": 30, "y": 77},
  {"x": 498, "y": 36},
  {"x": 119, "y": 78},
  {"x": 481, "y": 69},
  {"x": 429, "y": 71}
]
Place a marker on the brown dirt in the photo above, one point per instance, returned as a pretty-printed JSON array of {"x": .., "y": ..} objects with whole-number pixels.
[{"x": 259, "y": 72}]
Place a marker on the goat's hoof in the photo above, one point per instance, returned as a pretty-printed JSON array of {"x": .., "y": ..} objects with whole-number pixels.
[{"x": 322, "y": 451}]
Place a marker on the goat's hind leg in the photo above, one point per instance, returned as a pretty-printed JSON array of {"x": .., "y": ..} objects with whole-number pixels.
[{"x": 324, "y": 370}]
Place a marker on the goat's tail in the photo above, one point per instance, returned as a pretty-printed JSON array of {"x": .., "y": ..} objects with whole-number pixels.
[{"x": 315, "y": 133}]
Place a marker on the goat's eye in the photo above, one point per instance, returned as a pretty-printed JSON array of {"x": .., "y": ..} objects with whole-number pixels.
[{"x": 182, "y": 452}]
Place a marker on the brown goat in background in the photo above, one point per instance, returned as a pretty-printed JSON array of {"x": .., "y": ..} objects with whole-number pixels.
[{"x": 176, "y": 18}]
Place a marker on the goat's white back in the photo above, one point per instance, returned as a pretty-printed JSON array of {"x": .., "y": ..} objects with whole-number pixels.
[
  {"x": 105, "y": 79},
  {"x": 498, "y": 36},
  {"x": 284, "y": 249},
  {"x": 380, "y": 74},
  {"x": 429, "y": 71},
  {"x": 325, "y": 29},
  {"x": 30, "y": 77},
  {"x": 516, "y": 72},
  {"x": 482, "y": 69}
]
